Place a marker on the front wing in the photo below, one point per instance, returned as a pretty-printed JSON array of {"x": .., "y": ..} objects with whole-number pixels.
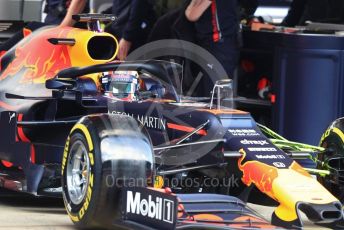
[{"x": 160, "y": 209}]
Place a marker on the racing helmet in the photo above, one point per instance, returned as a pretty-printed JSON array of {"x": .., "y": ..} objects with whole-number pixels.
[{"x": 121, "y": 84}]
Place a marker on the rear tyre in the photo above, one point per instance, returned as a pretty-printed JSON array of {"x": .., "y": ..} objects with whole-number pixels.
[{"x": 333, "y": 141}]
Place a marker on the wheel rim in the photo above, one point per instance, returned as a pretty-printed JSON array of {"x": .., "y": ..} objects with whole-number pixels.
[{"x": 78, "y": 171}]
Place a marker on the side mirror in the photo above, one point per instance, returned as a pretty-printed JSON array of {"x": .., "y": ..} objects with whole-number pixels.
[{"x": 59, "y": 84}]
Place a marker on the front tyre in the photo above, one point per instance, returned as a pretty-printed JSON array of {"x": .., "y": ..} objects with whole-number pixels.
[
  {"x": 81, "y": 172},
  {"x": 333, "y": 158},
  {"x": 103, "y": 153}
]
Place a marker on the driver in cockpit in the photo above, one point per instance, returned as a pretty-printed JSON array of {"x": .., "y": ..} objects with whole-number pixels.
[
  {"x": 123, "y": 85},
  {"x": 130, "y": 86}
]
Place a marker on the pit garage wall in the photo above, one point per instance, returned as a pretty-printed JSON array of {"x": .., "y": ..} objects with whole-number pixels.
[
  {"x": 307, "y": 78},
  {"x": 11, "y": 10}
]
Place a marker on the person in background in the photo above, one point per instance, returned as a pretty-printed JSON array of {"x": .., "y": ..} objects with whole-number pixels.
[
  {"x": 64, "y": 18},
  {"x": 216, "y": 27},
  {"x": 61, "y": 11},
  {"x": 326, "y": 11},
  {"x": 178, "y": 24},
  {"x": 135, "y": 18}
]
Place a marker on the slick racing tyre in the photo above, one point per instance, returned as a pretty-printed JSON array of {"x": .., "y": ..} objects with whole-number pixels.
[
  {"x": 90, "y": 200},
  {"x": 81, "y": 168},
  {"x": 333, "y": 158}
]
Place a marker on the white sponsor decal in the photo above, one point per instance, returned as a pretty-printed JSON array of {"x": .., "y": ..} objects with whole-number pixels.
[
  {"x": 254, "y": 142},
  {"x": 270, "y": 156},
  {"x": 160, "y": 209},
  {"x": 243, "y": 132},
  {"x": 147, "y": 121},
  {"x": 279, "y": 164},
  {"x": 262, "y": 149}
]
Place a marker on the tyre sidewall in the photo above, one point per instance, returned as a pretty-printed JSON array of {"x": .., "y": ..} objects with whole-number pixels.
[{"x": 83, "y": 214}]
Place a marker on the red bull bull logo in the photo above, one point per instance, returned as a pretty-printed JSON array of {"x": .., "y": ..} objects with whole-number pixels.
[
  {"x": 260, "y": 174},
  {"x": 36, "y": 60}
]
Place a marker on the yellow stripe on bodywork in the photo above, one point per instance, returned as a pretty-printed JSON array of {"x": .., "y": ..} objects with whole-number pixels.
[
  {"x": 79, "y": 52},
  {"x": 291, "y": 187},
  {"x": 87, "y": 134}
]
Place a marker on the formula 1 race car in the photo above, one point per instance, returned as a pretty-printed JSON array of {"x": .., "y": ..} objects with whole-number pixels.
[{"x": 127, "y": 150}]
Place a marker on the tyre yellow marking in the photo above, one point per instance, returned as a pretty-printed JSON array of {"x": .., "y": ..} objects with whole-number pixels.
[
  {"x": 84, "y": 129},
  {"x": 65, "y": 155},
  {"x": 73, "y": 218},
  {"x": 90, "y": 155},
  {"x": 84, "y": 208},
  {"x": 82, "y": 211},
  {"x": 339, "y": 133},
  {"x": 326, "y": 134},
  {"x": 91, "y": 180}
]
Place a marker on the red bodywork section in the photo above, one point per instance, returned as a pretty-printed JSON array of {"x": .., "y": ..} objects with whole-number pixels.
[
  {"x": 260, "y": 174},
  {"x": 36, "y": 59}
]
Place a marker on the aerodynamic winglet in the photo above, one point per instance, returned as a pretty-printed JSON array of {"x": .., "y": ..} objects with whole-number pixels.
[{"x": 62, "y": 41}]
